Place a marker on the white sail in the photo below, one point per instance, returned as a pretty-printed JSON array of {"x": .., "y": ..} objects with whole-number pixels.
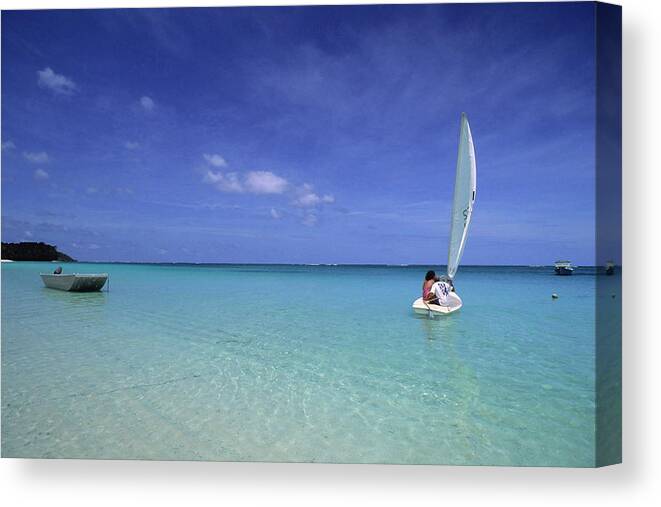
[{"x": 464, "y": 197}]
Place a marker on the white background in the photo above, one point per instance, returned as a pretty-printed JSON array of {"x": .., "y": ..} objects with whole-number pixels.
[{"x": 636, "y": 482}]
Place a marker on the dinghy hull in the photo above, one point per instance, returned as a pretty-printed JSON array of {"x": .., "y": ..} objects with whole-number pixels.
[
  {"x": 422, "y": 308},
  {"x": 75, "y": 282}
]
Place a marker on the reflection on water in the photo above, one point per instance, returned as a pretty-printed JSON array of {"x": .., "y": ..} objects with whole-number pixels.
[
  {"x": 438, "y": 327},
  {"x": 74, "y": 299}
]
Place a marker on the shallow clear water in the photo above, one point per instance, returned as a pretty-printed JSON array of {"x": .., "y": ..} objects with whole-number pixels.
[{"x": 299, "y": 363}]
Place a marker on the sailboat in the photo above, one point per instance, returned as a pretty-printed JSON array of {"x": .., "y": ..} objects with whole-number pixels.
[{"x": 462, "y": 211}]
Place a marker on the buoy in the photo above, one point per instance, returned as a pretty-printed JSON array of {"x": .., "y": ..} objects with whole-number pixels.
[{"x": 554, "y": 296}]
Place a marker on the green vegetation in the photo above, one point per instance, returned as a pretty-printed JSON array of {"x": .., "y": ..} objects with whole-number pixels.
[{"x": 32, "y": 251}]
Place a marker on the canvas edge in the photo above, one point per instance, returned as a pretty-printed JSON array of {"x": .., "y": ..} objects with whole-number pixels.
[{"x": 608, "y": 233}]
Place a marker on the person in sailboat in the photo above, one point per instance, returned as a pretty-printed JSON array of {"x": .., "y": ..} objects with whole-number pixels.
[
  {"x": 440, "y": 289},
  {"x": 430, "y": 279},
  {"x": 449, "y": 281}
]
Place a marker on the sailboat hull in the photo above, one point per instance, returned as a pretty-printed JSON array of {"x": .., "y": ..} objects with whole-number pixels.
[{"x": 422, "y": 308}]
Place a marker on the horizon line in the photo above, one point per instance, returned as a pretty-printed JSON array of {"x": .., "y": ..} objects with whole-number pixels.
[{"x": 310, "y": 264}]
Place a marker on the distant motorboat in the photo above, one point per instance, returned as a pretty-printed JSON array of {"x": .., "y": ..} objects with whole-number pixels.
[
  {"x": 75, "y": 282},
  {"x": 610, "y": 268},
  {"x": 563, "y": 268}
]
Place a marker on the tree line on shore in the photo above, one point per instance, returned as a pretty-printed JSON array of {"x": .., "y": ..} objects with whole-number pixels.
[{"x": 33, "y": 251}]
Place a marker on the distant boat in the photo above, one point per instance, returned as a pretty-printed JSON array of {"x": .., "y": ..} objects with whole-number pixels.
[
  {"x": 75, "y": 282},
  {"x": 610, "y": 268},
  {"x": 563, "y": 268},
  {"x": 462, "y": 210}
]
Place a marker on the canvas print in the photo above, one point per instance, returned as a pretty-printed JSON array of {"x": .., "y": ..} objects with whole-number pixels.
[{"x": 339, "y": 234}]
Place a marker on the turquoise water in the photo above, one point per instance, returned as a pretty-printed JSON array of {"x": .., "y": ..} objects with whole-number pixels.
[{"x": 299, "y": 363}]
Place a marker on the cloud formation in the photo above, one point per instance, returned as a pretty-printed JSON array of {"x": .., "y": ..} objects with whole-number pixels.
[
  {"x": 265, "y": 182},
  {"x": 307, "y": 198},
  {"x": 8, "y": 145},
  {"x": 215, "y": 160},
  {"x": 131, "y": 145},
  {"x": 254, "y": 182},
  {"x": 40, "y": 175},
  {"x": 147, "y": 103},
  {"x": 36, "y": 157},
  {"x": 57, "y": 83},
  {"x": 311, "y": 202},
  {"x": 224, "y": 182}
]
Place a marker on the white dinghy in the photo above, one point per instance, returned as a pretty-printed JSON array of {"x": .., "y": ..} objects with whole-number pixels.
[
  {"x": 462, "y": 211},
  {"x": 75, "y": 282}
]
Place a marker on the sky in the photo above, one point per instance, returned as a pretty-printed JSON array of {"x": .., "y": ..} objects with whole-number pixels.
[{"x": 301, "y": 134}]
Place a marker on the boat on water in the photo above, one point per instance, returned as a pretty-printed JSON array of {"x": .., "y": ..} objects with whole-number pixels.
[
  {"x": 563, "y": 268},
  {"x": 75, "y": 282},
  {"x": 462, "y": 211},
  {"x": 422, "y": 307},
  {"x": 610, "y": 268}
]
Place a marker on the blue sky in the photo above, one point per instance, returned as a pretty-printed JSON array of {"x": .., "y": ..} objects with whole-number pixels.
[{"x": 319, "y": 134}]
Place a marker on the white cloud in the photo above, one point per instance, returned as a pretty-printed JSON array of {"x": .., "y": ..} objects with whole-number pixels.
[
  {"x": 57, "y": 83},
  {"x": 265, "y": 182},
  {"x": 36, "y": 158},
  {"x": 254, "y": 182},
  {"x": 131, "y": 145},
  {"x": 93, "y": 246},
  {"x": 40, "y": 174},
  {"x": 215, "y": 160},
  {"x": 28, "y": 234},
  {"x": 224, "y": 182},
  {"x": 8, "y": 145},
  {"x": 307, "y": 198},
  {"x": 147, "y": 103},
  {"x": 92, "y": 190}
]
